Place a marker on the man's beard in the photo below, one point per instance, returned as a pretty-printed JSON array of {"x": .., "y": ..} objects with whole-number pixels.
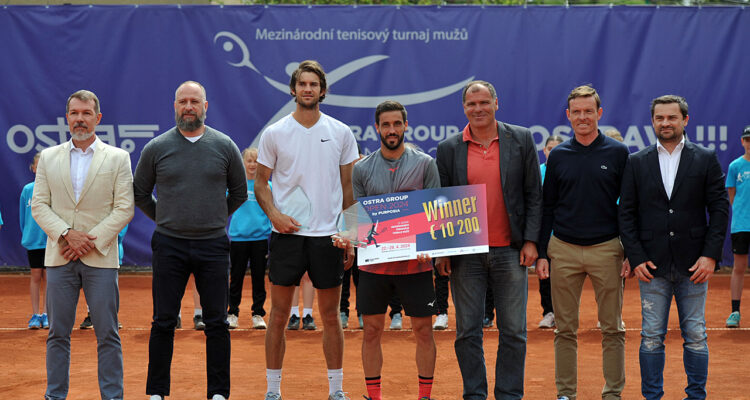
[
  {"x": 676, "y": 135},
  {"x": 384, "y": 140},
  {"x": 80, "y": 137},
  {"x": 309, "y": 106},
  {"x": 189, "y": 125}
]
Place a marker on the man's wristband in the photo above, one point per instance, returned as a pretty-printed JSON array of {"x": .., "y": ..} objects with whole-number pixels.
[{"x": 65, "y": 232}]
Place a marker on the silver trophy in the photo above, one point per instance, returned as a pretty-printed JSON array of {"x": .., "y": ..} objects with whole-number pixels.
[
  {"x": 297, "y": 205},
  {"x": 349, "y": 221}
]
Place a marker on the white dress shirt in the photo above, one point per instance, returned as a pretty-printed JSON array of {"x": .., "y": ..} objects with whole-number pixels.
[
  {"x": 668, "y": 163},
  {"x": 80, "y": 161}
]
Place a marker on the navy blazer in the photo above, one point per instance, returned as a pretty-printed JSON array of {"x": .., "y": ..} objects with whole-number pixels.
[
  {"x": 519, "y": 175},
  {"x": 673, "y": 231}
]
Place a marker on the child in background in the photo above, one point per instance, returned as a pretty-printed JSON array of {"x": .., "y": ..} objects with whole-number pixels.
[
  {"x": 308, "y": 297},
  {"x": 249, "y": 230},
  {"x": 738, "y": 187},
  {"x": 34, "y": 240}
]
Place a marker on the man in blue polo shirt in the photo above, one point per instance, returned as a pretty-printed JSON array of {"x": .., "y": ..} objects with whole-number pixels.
[{"x": 581, "y": 187}]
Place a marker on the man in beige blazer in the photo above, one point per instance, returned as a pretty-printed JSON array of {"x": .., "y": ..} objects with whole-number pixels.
[{"x": 83, "y": 196}]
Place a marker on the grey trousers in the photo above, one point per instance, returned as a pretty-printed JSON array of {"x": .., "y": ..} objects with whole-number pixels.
[{"x": 103, "y": 297}]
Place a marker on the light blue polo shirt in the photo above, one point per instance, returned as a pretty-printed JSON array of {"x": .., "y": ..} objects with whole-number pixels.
[
  {"x": 738, "y": 177},
  {"x": 32, "y": 236}
]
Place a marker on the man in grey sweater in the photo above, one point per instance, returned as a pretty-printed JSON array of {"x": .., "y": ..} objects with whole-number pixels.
[{"x": 193, "y": 167}]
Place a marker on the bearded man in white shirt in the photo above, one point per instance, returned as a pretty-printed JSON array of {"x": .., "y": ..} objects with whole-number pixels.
[{"x": 83, "y": 197}]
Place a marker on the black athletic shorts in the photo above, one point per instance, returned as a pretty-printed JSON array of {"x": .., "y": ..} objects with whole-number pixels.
[
  {"x": 740, "y": 242},
  {"x": 416, "y": 292},
  {"x": 36, "y": 258},
  {"x": 291, "y": 255}
]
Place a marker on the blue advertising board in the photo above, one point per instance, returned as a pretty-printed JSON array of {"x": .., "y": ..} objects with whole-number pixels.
[{"x": 134, "y": 57}]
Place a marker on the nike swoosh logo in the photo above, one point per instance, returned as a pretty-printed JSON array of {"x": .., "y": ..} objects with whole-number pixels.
[
  {"x": 432, "y": 303},
  {"x": 324, "y": 140}
]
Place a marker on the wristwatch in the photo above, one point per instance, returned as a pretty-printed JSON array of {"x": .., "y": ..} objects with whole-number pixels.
[{"x": 65, "y": 232}]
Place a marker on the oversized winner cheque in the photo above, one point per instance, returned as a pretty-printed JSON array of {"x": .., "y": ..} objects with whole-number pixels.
[{"x": 438, "y": 222}]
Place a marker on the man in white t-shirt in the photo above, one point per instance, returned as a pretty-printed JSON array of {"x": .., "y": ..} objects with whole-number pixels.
[{"x": 311, "y": 156}]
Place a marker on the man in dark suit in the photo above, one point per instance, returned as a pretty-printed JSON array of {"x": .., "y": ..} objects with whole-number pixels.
[
  {"x": 504, "y": 158},
  {"x": 666, "y": 192}
]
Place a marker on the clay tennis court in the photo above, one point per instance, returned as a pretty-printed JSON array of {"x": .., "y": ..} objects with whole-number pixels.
[{"x": 22, "y": 352}]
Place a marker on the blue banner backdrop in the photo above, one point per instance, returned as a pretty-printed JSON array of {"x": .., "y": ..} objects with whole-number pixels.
[{"x": 134, "y": 57}]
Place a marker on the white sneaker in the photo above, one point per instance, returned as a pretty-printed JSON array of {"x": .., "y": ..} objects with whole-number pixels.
[
  {"x": 218, "y": 397},
  {"x": 548, "y": 321},
  {"x": 258, "y": 322},
  {"x": 233, "y": 321},
  {"x": 338, "y": 395},
  {"x": 396, "y": 322},
  {"x": 155, "y": 397},
  {"x": 441, "y": 322}
]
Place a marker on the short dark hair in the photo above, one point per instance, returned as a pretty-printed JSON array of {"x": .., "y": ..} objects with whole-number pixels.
[
  {"x": 389, "y": 105},
  {"x": 555, "y": 138},
  {"x": 486, "y": 84},
  {"x": 669, "y": 99},
  {"x": 309, "y": 66},
  {"x": 584, "y": 91},
  {"x": 83, "y": 95}
]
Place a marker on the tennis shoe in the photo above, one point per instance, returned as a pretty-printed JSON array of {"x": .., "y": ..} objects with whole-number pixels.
[
  {"x": 272, "y": 396},
  {"x": 734, "y": 320},
  {"x": 198, "y": 322},
  {"x": 308, "y": 323},
  {"x": 344, "y": 320},
  {"x": 258, "y": 322},
  {"x": 45, "y": 321},
  {"x": 86, "y": 324},
  {"x": 548, "y": 321},
  {"x": 441, "y": 322},
  {"x": 35, "y": 322},
  {"x": 338, "y": 395},
  {"x": 293, "y": 323},
  {"x": 487, "y": 322},
  {"x": 233, "y": 321},
  {"x": 396, "y": 322}
]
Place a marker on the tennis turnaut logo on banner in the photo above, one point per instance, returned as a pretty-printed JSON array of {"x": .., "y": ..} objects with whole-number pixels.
[{"x": 229, "y": 41}]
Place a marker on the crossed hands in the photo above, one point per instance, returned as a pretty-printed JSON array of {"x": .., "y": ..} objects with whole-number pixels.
[{"x": 77, "y": 245}]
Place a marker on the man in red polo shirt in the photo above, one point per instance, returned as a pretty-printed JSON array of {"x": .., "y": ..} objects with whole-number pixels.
[{"x": 503, "y": 157}]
